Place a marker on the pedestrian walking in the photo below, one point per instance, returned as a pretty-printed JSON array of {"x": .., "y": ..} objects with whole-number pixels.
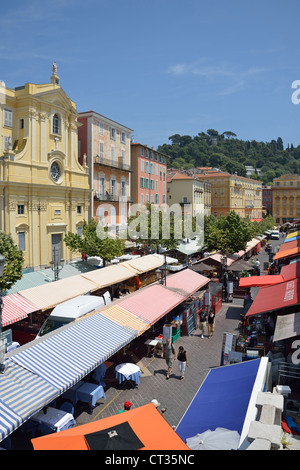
[
  {"x": 202, "y": 323},
  {"x": 182, "y": 361},
  {"x": 211, "y": 322},
  {"x": 169, "y": 354}
]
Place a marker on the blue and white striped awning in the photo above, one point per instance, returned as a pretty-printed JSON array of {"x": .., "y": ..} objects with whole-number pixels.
[
  {"x": 22, "y": 393},
  {"x": 66, "y": 357}
]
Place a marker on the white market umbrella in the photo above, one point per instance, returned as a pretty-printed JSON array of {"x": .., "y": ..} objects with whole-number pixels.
[
  {"x": 169, "y": 259},
  {"x": 125, "y": 257},
  {"x": 219, "y": 439}
]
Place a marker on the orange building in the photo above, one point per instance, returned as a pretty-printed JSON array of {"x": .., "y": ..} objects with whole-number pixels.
[{"x": 105, "y": 147}]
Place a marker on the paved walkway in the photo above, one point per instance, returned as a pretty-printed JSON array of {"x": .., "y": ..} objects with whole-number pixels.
[{"x": 175, "y": 395}]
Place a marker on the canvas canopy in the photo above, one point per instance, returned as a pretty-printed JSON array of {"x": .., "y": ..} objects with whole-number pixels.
[
  {"x": 260, "y": 281},
  {"x": 146, "y": 425},
  {"x": 276, "y": 297},
  {"x": 109, "y": 275},
  {"x": 221, "y": 401},
  {"x": 143, "y": 264},
  {"x": 186, "y": 281},
  {"x": 49, "y": 295}
]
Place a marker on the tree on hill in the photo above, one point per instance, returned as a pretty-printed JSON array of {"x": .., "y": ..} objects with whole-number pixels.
[{"x": 231, "y": 154}]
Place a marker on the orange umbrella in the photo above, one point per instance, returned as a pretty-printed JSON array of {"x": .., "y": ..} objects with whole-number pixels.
[{"x": 147, "y": 427}]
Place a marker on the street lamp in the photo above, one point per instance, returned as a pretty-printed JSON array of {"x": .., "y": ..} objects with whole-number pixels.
[
  {"x": 224, "y": 264},
  {"x": 2, "y": 344},
  {"x": 56, "y": 264},
  {"x": 161, "y": 273}
]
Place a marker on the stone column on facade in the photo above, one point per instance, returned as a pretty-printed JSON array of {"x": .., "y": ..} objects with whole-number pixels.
[
  {"x": 73, "y": 149},
  {"x": 32, "y": 118},
  {"x": 34, "y": 233},
  {"x": 68, "y": 255},
  {"x": 66, "y": 143},
  {"x": 43, "y": 238},
  {"x": 10, "y": 226},
  {"x": 43, "y": 137}
]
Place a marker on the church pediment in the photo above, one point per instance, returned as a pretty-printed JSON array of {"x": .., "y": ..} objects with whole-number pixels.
[{"x": 57, "y": 97}]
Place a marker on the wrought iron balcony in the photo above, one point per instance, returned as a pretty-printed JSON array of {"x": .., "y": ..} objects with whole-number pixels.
[
  {"x": 119, "y": 164},
  {"x": 110, "y": 197}
]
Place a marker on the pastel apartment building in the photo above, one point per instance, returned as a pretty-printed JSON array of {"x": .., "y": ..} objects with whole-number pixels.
[
  {"x": 233, "y": 193},
  {"x": 105, "y": 147},
  {"x": 286, "y": 198},
  {"x": 149, "y": 179},
  {"x": 187, "y": 190}
]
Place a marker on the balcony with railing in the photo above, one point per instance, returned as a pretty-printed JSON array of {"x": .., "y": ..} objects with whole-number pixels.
[
  {"x": 118, "y": 163},
  {"x": 111, "y": 197}
]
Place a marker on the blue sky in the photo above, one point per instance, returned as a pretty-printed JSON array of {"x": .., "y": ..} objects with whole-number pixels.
[{"x": 162, "y": 67}]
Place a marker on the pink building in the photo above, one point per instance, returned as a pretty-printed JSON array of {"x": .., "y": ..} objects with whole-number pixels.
[
  {"x": 105, "y": 147},
  {"x": 149, "y": 178}
]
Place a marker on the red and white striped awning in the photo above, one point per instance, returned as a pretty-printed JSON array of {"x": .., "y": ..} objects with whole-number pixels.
[{"x": 16, "y": 308}]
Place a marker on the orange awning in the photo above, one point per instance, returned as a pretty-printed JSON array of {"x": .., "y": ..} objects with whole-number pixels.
[
  {"x": 260, "y": 281},
  {"x": 146, "y": 423},
  {"x": 288, "y": 249}
]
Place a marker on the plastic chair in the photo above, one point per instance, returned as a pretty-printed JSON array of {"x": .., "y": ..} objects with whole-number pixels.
[{"x": 67, "y": 407}]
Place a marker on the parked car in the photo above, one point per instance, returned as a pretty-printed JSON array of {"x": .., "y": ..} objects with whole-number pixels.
[
  {"x": 71, "y": 310},
  {"x": 275, "y": 235}
]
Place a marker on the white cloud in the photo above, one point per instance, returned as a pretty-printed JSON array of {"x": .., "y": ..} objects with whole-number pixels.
[
  {"x": 215, "y": 70},
  {"x": 178, "y": 69},
  {"x": 234, "y": 77}
]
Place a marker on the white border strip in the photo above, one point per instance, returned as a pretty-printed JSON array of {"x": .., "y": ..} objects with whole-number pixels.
[{"x": 259, "y": 384}]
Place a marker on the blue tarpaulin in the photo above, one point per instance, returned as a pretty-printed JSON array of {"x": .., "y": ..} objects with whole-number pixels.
[{"x": 221, "y": 401}]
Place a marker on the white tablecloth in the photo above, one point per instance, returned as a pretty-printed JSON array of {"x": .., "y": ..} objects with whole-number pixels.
[
  {"x": 54, "y": 418},
  {"x": 128, "y": 371}
]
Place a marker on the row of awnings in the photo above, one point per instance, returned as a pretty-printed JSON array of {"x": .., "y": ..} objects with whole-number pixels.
[
  {"x": 290, "y": 247},
  {"x": 19, "y": 306},
  {"x": 217, "y": 257},
  {"x": 279, "y": 291},
  {"x": 46, "y": 368}
]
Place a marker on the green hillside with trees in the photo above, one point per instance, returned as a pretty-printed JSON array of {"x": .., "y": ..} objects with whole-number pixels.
[{"x": 226, "y": 152}]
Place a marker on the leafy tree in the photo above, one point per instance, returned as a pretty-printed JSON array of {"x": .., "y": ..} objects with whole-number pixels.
[
  {"x": 229, "y": 134},
  {"x": 228, "y": 234},
  {"x": 14, "y": 260},
  {"x": 93, "y": 243}
]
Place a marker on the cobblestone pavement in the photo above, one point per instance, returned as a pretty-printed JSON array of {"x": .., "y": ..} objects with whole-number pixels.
[{"x": 175, "y": 395}]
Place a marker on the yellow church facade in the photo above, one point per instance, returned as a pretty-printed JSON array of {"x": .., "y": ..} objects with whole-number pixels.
[{"x": 44, "y": 190}]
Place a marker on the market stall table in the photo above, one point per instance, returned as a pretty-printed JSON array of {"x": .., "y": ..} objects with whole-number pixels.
[
  {"x": 128, "y": 371},
  {"x": 52, "y": 418},
  {"x": 153, "y": 346},
  {"x": 85, "y": 392},
  {"x": 99, "y": 374}
]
